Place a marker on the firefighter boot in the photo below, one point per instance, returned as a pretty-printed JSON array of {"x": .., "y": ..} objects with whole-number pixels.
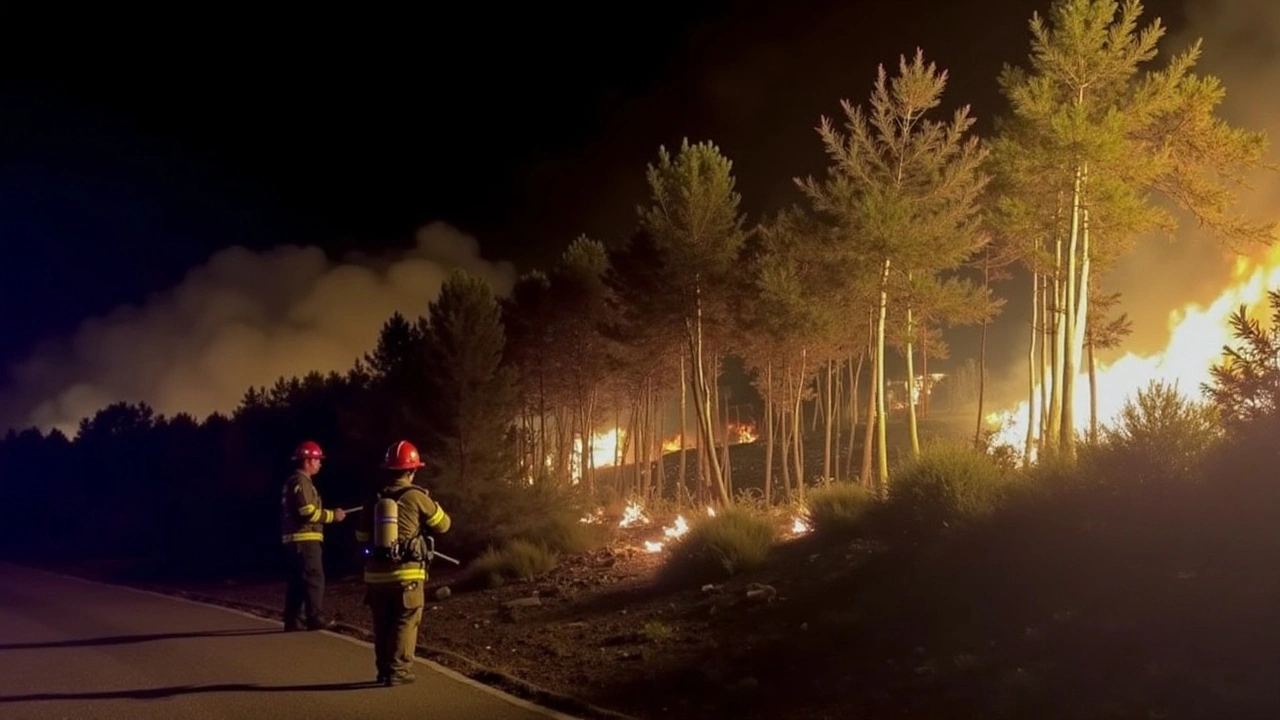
[
  {"x": 400, "y": 678},
  {"x": 322, "y": 624}
]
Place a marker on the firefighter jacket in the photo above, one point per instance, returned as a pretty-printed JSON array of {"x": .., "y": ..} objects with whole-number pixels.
[
  {"x": 416, "y": 513},
  {"x": 302, "y": 517}
]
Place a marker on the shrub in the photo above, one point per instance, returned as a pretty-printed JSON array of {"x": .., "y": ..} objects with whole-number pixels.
[
  {"x": 1159, "y": 435},
  {"x": 566, "y": 535},
  {"x": 733, "y": 541},
  {"x": 839, "y": 509},
  {"x": 656, "y": 632},
  {"x": 517, "y": 560},
  {"x": 540, "y": 514},
  {"x": 948, "y": 483}
]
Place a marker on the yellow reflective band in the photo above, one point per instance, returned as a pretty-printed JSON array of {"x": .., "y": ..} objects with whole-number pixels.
[
  {"x": 362, "y": 536},
  {"x": 302, "y": 537},
  {"x": 307, "y": 510},
  {"x": 436, "y": 517},
  {"x": 395, "y": 576}
]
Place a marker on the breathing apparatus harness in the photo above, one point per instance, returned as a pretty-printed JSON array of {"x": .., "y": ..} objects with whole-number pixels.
[{"x": 387, "y": 544}]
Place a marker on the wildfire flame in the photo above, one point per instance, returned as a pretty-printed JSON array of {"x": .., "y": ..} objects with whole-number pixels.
[
  {"x": 676, "y": 531},
  {"x": 633, "y": 514},
  {"x": 740, "y": 433},
  {"x": 604, "y": 449},
  {"x": 1197, "y": 335},
  {"x": 799, "y": 526}
]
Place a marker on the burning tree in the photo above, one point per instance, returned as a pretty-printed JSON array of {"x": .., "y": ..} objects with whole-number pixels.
[
  {"x": 903, "y": 191},
  {"x": 1091, "y": 136},
  {"x": 1245, "y": 387}
]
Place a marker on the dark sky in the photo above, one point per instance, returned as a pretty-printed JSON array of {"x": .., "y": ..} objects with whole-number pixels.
[{"x": 133, "y": 148}]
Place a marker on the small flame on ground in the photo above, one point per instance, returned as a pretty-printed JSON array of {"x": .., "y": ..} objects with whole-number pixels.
[
  {"x": 799, "y": 526},
  {"x": 678, "y": 530},
  {"x": 594, "y": 517},
  {"x": 633, "y": 515},
  {"x": 711, "y": 512}
]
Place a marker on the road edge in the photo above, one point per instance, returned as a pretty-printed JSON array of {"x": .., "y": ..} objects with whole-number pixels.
[{"x": 470, "y": 672}]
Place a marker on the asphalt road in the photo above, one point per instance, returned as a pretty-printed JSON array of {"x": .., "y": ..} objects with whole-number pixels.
[{"x": 72, "y": 649}]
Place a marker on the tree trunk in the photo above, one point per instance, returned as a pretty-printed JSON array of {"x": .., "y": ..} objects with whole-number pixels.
[
  {"x": 982, "y": 351},
  {"x": 837, "y": 419},
  {"x": 541, "y": 450},
  {"x": 1071, "y": 353},
  {"x": 926, "y": 383},
  {"x": 882, "y": 446},
  {"x": 853, "y": 407},
  {"x": 1093, "y": 395},
  {"x": 830, "y": 413},
  {"x": 1081, "y": 309},
  {"x": 593, "y": 397},
  {"x": 659, "y": 462},
  {"x": 684, "y": 425},
  {"x": 644, "y": 443},
  {"x": 701, "y": 396},
  {"x": 768, "y": 432},
  {"x": 817, "y": 405},
  {"x": 1052, "y": 433},
  {"x": 912, "y": 426},
  {"x": 728, "y": 467},
  {"x": 784, "y": 421},
  {"x": 800, "y": 465},
  {"x": 1032, "y": 414},
  {"x": 635, "y": 434},
  {"x": 1046, "y": 360},
  {"x": 873, "y": 397}
]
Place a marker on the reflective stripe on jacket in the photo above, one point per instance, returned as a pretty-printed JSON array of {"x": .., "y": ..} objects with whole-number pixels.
[{"x": 302, "y": 515}]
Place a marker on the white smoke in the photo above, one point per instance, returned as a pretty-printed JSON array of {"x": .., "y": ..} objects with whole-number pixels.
[{"x": 242, "y": 319}]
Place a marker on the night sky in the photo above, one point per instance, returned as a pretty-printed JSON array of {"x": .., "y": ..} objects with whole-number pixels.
[{"x": 133, "y": 148}]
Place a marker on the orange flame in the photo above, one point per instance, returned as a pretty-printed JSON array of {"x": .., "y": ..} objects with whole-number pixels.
[{"x": 1197, "y": 335}]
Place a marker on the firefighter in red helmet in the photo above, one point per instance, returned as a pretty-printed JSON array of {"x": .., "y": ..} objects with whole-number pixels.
[
  {"x": 303, "y": 517},
  {"x": 391, "y": 530}
]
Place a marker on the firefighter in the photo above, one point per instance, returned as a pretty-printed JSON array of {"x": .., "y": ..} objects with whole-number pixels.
[
  {"x": 397, "y": 554},
  {"x": 303, "y": 517}
]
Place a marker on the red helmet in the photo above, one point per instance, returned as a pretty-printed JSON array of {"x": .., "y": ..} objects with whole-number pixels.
[
  {"x": 308, "y": 450},
  {"x": 402, "y": 456}
]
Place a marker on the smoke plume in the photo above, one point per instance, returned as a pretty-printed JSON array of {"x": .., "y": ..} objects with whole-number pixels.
[{"x": 242, "y": 319}]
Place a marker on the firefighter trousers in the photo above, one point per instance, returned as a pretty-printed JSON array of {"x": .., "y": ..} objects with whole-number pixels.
[
  {"x": 397, "y": 613},
  {"x": 304, "y": 590}
]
